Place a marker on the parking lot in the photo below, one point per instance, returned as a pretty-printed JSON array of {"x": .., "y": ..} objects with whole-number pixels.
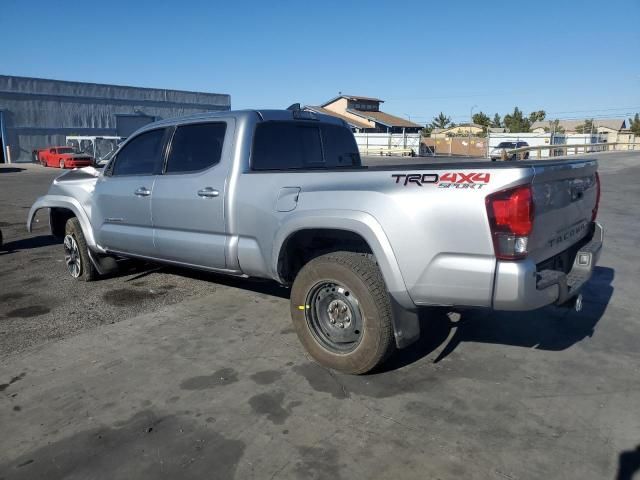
[{"x": 164, "y": 373}]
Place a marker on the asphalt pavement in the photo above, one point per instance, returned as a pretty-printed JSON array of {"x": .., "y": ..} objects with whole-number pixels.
[{"x": 165, "y": 373}]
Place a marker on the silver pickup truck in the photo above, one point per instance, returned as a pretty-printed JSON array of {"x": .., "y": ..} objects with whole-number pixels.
[{"x": 283, "y": 195}]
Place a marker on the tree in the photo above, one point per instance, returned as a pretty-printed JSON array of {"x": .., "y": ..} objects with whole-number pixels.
[
  {"x": 441, "y": 121},
  {"x": 634, "y": 124},
  {"x": 537, "y": 116},
  {"x": 497, "y": 121},
  {"x": 481, "y": 119},
  {"x": 516, "y": 122},
  {"x": 426, "y": 131},
  {"x": 587, "y": 127},
  {"x": 554, "y": 127}
]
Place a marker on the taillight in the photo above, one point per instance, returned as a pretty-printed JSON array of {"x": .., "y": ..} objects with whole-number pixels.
[
  {"x": 511, "y": 219},
  {"x": 594, "y": 212}
]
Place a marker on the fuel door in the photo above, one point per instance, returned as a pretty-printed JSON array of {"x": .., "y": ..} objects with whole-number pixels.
[{"x": 287, "y": 199}]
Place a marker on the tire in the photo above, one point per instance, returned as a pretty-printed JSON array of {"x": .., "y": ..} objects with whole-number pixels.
[
  {"x": 352, "y": 303},
  {"x": 77, "y": 259},
  {"x": 61, "y": 164}
]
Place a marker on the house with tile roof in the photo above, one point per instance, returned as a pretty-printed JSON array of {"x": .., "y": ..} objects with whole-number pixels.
[{"x": 364, "y": 116}]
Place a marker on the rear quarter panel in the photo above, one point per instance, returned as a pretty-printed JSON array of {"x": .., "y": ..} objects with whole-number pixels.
[{"x": 438, "y": 232}]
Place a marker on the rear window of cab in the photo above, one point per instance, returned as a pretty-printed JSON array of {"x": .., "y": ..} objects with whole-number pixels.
[{"x": 295, "y": 145}]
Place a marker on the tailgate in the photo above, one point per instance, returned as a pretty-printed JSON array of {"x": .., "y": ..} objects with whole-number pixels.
[{"x": 564, "y": 196}]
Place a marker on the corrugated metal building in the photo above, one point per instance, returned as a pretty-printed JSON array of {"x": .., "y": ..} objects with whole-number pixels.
[{"x": 37, "y": 113}]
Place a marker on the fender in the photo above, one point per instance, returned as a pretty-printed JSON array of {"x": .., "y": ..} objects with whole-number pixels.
[
  {"x": 62, "y": 201},
  {"x": 405, "y": 319}
]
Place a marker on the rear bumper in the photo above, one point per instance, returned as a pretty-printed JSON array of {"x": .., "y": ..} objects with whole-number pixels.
[{"x": 521, "y": 286}]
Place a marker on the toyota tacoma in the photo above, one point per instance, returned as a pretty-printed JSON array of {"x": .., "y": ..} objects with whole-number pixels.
[{"x": 283, "y": 195}]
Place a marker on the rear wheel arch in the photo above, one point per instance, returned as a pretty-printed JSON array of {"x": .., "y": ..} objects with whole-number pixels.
[
  {"x": 360, "y": 224},
  {"x": 302, "y": 246},
  {"x": 369, "y": 231}
]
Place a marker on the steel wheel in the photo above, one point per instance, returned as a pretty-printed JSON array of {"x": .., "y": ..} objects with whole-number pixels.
[
  {"x": 334, "y": 317},
  {"x": 72, "y": 256}
]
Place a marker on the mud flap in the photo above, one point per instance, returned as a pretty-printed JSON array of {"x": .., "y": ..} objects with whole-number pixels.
[
  {"x": 104, "y": 264},
  {"x": 406, "y": 324}
]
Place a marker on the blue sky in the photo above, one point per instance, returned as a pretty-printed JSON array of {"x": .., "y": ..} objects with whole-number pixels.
[{"x": 574, "y": 59}]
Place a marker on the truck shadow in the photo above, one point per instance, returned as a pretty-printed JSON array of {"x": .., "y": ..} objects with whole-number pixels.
[
  {"x": 548, "y": 328},
  {"x": 265, "y": 287},
  {"x": 28, "y": 244},
  {"x": 628, "y": 464}
]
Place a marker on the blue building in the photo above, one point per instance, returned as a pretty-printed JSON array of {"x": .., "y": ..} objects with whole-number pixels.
[{"x": 37, "y": 113}]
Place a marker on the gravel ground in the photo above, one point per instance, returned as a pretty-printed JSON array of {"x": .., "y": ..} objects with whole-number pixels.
[
  {"x": 219, "y": 387},
  {"x": 40, "y": 302}
]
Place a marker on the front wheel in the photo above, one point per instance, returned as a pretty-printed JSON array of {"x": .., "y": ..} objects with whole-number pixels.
[
  {"x": 341, "y": 311},
  {"x": 76, "y": 253}
]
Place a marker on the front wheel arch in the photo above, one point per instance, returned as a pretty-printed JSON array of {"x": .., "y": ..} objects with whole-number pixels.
[{"x": 58, "y": 218}]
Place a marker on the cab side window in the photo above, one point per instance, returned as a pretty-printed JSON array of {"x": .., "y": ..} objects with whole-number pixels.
[
  {"x": 141, "y": 156},
  {"x": 196, "y": 147}
]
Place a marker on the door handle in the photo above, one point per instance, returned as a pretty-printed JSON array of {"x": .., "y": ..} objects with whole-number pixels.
[
  {"x": 142, "y": 192},
  {"x": 208, "y": 192}
]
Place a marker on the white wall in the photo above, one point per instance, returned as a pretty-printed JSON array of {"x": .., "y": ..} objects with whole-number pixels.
[
  {"x": 545, "y": 139},
  {"x": 384, "y": 141}
]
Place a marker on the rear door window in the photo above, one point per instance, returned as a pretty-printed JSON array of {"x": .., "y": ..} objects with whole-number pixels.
[
  {"x": 286, "y": 145},
  {"x": 141, "y": 156},
  {"x": 196, "y": 147}
]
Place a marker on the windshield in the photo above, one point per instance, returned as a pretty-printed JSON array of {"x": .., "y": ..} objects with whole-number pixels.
[
  {"x": 65, "y": 150},
  {"x": 506, "y": 145}
]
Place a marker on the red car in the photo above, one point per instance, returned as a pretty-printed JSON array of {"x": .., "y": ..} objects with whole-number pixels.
[{"x": 63, "y": 157}]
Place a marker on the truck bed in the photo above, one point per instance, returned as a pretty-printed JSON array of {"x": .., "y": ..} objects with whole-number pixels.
[{"x": 429, "y": 163}]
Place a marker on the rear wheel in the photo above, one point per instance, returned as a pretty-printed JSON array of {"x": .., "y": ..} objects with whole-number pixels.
[
  {"x": 76, "y": 253},
  {"x": 341, "y": 311}
]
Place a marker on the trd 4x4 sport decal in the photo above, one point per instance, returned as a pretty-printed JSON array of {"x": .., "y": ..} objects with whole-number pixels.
[{"x": 446, "y": 180}]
